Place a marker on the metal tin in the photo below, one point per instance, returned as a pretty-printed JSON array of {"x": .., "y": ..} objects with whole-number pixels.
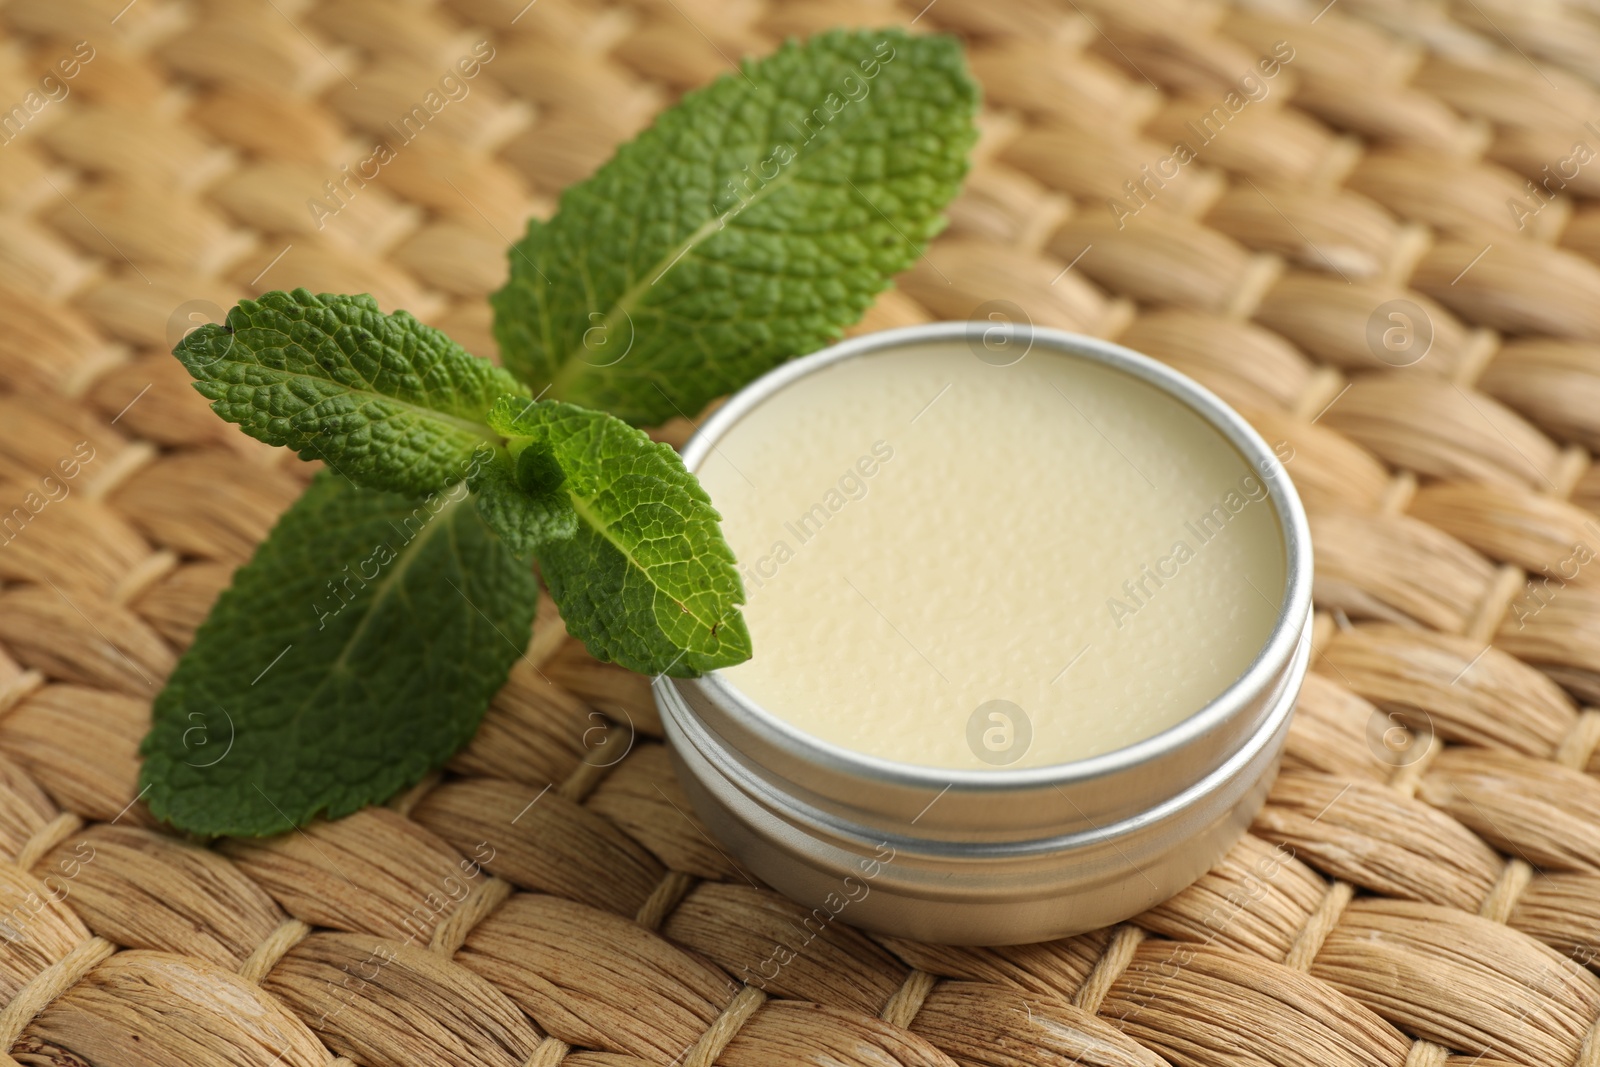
[{"x": 1000, "y": 856}]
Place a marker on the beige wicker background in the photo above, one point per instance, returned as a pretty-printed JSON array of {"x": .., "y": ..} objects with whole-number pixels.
[{"x": 1410, "y": 899}]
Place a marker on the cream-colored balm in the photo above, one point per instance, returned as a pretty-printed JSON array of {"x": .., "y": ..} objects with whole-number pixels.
[{"x": 960, "y": 565}]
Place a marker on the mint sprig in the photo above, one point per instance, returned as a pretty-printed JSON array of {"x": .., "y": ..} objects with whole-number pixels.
[{"x": 360, "y": 646}]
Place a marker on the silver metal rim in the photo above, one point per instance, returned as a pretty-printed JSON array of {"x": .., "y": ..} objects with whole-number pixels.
[
  {"x": 841, "y": 832},
  {"x": 1278, "y": 649}
]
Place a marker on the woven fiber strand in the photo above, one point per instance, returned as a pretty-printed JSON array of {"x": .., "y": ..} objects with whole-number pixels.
[{"x": 1423, "y": 887}]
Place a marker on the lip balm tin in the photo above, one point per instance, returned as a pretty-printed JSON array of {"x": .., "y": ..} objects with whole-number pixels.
[{"x": 1002, "y": 856}]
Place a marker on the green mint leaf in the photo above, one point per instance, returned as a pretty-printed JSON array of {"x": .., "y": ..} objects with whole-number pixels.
[
  {"x": 749, "y": 225},
  {"x": 354, "y": 653},
  {"x": 646, "y": 579},
  {"x": 523, "y": 501},
  {"x": 386, "y": 401}
]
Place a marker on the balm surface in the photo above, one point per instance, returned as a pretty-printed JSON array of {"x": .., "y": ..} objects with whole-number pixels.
[{"x": 960, "y": 565}]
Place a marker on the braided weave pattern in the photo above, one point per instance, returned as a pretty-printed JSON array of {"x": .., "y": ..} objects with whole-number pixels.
[{"x": 1423, "y": 887}]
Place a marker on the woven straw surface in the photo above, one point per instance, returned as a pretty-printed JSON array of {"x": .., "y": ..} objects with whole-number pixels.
[{"x": 1423, "y": 887}]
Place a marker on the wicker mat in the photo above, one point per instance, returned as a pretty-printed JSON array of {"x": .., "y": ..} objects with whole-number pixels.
[{"x": 1383, "y": 251}]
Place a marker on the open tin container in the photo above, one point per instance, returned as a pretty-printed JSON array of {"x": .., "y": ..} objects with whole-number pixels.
[{"x": 1002, "y": 856}]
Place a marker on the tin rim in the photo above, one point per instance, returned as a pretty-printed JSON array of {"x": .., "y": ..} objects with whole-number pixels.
[
  {"x": 843, "y": 833},
  {"x": 1278, "y": 649}
]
